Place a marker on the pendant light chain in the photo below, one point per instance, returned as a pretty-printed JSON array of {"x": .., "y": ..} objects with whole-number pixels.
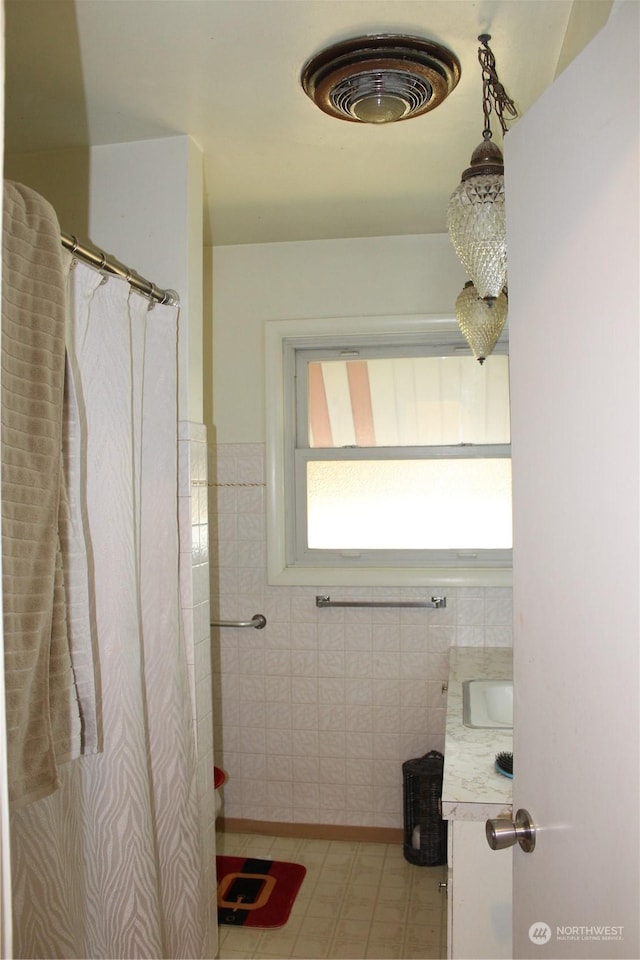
[{"x": 494, "y": 95}]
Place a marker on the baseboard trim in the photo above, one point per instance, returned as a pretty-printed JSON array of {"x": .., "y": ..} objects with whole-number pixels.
[{"x": 311, "y": 831}]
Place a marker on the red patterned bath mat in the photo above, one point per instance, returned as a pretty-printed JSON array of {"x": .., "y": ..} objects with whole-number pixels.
[{"x": 256, "y": 893}]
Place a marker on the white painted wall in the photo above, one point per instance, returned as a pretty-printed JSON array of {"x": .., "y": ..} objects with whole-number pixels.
[
  {"x": 145, "y": 206},
  {"x": 312, "y": 279}
]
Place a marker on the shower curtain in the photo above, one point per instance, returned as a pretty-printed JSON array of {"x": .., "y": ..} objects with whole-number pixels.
[{"x": 108, "y": 866}]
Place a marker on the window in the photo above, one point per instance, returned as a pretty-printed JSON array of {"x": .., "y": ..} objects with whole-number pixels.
[{"x": 392, "y": 454}]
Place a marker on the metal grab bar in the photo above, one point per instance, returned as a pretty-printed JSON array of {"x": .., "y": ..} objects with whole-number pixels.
[
  {"x": 257, "y": 620},
  {"x": 435, "y": 602}
]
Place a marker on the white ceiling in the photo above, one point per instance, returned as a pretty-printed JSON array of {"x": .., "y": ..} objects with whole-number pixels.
[{"x": 86, "y": 72}]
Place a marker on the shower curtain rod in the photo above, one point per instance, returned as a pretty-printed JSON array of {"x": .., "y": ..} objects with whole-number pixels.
[{"x": 97, "y": 258}]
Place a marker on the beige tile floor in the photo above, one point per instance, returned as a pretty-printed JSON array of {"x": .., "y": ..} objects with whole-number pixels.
[{"x": 357, "y": 900}]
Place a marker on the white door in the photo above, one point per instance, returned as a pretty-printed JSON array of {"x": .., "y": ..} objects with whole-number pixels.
[{"x": 573, "y": 222}]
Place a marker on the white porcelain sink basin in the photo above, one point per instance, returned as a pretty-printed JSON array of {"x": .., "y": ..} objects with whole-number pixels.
[{"x": 487, "y": 703}]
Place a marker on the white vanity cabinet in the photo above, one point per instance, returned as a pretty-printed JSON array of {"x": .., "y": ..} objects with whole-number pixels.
[
  {"x": 479, "y": 878},
  {"x": 478, "y": 895}
]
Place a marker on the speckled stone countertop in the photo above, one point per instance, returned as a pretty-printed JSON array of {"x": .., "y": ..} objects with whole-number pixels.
[{"x": 471, "y": 788}]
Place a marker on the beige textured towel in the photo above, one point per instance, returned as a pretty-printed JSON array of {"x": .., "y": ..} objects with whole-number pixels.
[{"x": 42, "y": 711}]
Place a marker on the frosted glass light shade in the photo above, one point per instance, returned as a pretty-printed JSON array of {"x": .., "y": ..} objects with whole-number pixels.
[
  {"x": 481, "y": 321},
  {"x": 476, "y": 225}
]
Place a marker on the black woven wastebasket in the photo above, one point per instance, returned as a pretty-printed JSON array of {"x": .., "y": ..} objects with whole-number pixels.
[{"x": 425, "y": 832}]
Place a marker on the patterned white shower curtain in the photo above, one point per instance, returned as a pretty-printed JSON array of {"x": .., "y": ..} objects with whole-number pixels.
[{"x": 109, "y": 865}]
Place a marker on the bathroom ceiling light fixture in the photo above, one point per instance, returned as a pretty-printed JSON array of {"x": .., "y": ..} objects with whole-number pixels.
[
  {"x": 481, "y": 321},
  {"x": 380, "y": 79},
  {"x": 476, "y": 215}
]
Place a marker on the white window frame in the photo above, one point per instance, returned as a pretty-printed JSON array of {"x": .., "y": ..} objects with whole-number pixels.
[{"x": 282, "y": 338}]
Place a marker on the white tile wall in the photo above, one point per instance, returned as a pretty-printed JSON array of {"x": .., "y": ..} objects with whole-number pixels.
[
  {"x": 194, "y": 591},
  {"x": 315, "y": 714}
]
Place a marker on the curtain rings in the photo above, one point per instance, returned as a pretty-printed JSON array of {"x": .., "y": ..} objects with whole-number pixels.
[{"x": 103, "y": 267}]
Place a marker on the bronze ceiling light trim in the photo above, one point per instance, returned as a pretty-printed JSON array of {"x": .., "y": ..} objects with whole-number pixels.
[{"x": 380, "y": 79}]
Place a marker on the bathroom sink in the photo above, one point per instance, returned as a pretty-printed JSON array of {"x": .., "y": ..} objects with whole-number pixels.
[{"x": 487, "y": 703}]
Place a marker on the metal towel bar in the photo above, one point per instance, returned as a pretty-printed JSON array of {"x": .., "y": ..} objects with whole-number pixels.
[
  {"x": 435, "y": 602},
  {"x": 257, "y": 620}
]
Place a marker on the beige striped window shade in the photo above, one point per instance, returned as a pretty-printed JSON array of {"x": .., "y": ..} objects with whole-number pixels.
[{"x": 408, "y": 401}]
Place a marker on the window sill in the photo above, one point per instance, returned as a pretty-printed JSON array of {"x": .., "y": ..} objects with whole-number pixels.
[{"x": 389, "y": 576}]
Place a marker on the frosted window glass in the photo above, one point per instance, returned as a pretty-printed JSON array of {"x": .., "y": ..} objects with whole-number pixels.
[
  {"x": 408, "y": 401},
  {"x": 455, "y": 504}
]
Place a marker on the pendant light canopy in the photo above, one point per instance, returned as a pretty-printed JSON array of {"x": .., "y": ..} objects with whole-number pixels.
[
  {"x": 380, "y": 79},
  {"x": 476, "y": 214}
]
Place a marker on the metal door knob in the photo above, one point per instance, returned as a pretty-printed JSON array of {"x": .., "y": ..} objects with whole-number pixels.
[{"x": 504, "y": 833}]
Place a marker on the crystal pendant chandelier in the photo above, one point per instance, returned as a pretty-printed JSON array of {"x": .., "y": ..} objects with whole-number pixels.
[
  {"x": 481, "y": 321},
  {"x": 476, "y": 215}
]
